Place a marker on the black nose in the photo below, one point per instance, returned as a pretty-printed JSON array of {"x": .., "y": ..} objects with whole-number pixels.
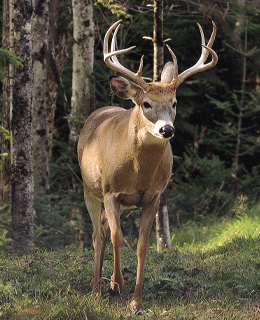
[{"x": 167, "y": 131}]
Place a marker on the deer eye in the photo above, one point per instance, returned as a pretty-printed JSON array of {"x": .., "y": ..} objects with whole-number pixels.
[
  {"x": 147, "y": 105},
  {"x": 174, "y": 105}
]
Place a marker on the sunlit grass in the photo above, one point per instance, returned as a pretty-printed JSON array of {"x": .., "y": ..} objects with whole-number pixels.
[
  {"x": 243, "y": 226},
  {"x": 212, "y": 233}
]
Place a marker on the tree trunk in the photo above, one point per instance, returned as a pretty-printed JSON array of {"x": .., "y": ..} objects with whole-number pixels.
[
  {"x": 240, "y": 25},
  {"x": 158, "y": 49},
  {"x": 40, "y": 138},
  {"x": 162, "y": 223},
  {"x": 58, "y": 59},
  {"x": 5, "y": 183},
  {"x": 82, "y": 100},
  {"x": 22, "y": 159},
  {"x": 162, "y": 219}
]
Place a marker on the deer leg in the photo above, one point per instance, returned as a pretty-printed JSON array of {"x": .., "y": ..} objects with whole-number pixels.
[
  {"x": 146, "y": 222},
  {"x": 94, "y": 209},
  {"x": 112, "y": 208},
  {"x": 104, "y": 236}
]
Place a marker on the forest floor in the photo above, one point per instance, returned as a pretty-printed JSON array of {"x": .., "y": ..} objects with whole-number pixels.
[{"x": 212, "y": 272}]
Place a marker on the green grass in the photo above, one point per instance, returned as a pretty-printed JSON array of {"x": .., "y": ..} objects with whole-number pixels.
[
  {"x": 211, "y": 232},
  {"x": 212, "y": 272}
]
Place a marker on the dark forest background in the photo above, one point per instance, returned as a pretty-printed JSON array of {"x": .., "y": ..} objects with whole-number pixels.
[{"x": 216, "y": 147}]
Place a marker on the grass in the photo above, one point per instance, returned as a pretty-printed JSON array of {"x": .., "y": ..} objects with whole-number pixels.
[{"x": 213, "y": 272}]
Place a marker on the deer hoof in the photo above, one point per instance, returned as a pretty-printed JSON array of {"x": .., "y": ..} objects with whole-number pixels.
[
  {"x": 112, "y": 293},
  {"x": 136, "y": 308},
  {"x": 116, "y": 285},
  {"x": 94, "y": 289}
]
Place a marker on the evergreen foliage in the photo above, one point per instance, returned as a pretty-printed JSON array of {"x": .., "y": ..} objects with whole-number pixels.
[
  {"x": 115, "y": 8},
  {"x": 228, "y": 131},
  {"x": 6, "y": 58}
]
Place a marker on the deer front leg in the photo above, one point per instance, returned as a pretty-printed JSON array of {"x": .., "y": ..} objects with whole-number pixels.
[
  {"x": 112, "y": 208},
  {"x": 146, "y": 222}
]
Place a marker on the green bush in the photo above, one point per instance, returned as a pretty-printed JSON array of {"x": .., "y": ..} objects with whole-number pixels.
[{"x": 200, "y": 187}]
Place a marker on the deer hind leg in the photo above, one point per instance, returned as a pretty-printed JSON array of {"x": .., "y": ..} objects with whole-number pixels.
[
  {"x": 104, "y": 236},
  {"x": 112, "y": 208},
  {"x": 94, "y": 209},
  {"x": 146, "y": 222},
  {"x": 104, "y": 233}
]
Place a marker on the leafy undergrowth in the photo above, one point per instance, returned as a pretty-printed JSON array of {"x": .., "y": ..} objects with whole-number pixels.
[{"x": 212, "y": 277}]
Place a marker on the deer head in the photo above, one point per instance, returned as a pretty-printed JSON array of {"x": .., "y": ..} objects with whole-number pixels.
[{"x": 157, "y": 100}]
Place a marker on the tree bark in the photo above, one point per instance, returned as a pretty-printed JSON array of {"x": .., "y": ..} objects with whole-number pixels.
[
  {"x": 22, "y": 159},
  {"x": 82, "y": 100},
  {"x": 162, "y": 219},
  {"x": 158, "y": 49},
  {"x": 40, "y": 138},
  {"x": 58, "y": 59},
  {"x": 162, "y": 223},
  {"x": 5, "y": 183},
  {"x": 238, "y": 41}
]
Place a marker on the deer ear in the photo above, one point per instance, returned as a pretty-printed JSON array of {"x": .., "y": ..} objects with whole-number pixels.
[
  {"x": 167, "y": 73},
  {"x": 123, "y": 88}
]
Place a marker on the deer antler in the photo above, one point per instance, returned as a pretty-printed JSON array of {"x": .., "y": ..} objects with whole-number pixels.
[
  {"x": 113, "y": 63},
  {"x": 200, "y": 65}
]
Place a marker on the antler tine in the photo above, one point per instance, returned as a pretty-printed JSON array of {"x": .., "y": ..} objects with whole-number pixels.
[
  {"x": 213, "y": 35},
  {"x": 140, "y": 70},
  {"x": 113, "y": 44},
  {"x": 113, "y": 63},
  {"x": 114, "y": 57},
  {"x": 209, "y": 44},
  {"x": 206, "y": 50},
  {"x": 105, "y": 48},
  {"x": 175, "y": 67},
  {"x": 113, "y": 53}
]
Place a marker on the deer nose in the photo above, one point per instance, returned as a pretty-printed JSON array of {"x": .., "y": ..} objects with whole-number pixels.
[{"x": 167, "y": 131}]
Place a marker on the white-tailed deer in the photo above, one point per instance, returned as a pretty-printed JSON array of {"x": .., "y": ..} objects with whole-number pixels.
[{"x": 125, "y": 155}]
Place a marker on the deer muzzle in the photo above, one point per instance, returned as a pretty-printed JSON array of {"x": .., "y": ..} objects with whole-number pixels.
[{"x": 167, "y": 131}]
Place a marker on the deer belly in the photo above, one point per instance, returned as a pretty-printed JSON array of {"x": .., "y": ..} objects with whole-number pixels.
[{"x": 135, "y": 199}]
